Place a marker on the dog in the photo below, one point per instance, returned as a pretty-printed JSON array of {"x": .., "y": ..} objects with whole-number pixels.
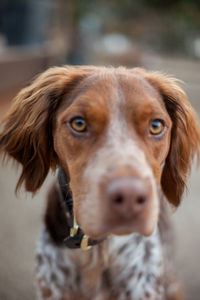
[{"x": 122, "y": 142}]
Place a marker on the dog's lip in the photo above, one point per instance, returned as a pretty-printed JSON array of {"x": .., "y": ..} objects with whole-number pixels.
[
  {"x": 121, "y": 229},
  {"x": 134, "y": 226}
]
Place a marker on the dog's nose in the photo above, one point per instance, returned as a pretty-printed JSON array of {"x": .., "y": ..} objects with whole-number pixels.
[{"x": 127, "y": 196}]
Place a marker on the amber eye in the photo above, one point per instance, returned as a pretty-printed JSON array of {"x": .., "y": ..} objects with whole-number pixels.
[
  {"x": 78, "y": 124},
  {"x": 156, "y": 127}
]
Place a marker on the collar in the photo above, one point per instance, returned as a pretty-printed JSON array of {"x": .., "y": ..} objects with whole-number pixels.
[{"x": 77, "y": 238}]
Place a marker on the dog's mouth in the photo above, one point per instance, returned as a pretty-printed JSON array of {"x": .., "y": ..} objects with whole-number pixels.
[{"x": 145, "y": 228}]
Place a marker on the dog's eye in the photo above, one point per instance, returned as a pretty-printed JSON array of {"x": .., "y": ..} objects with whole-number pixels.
[
  {"x": 156, "y": 127},
  {"x": 78, "y": 124}
]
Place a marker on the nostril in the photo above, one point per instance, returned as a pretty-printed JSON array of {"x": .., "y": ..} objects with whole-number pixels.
[
  {"x": 119, "y": 199},
  {"x": 141, "y": 200}
]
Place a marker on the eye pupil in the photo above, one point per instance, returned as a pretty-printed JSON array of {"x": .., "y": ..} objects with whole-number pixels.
[
  {"x": 156, "y": 125},
  {"x": 79, "y": 122}
]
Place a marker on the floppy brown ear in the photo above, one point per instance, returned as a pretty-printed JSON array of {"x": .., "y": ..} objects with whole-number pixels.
[
  {"x": 27, "y": 128},
  {"x": 185, "y": 137}
]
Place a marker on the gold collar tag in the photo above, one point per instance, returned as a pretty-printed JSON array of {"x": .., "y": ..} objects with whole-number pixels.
[
  {"x": 84, "y": 243},
  {"x": 85, "y": 239},
  {"x": 74, "y": 229}
]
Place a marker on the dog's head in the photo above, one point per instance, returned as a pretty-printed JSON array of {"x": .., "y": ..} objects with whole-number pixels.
[{"x": 119, "y": 134}]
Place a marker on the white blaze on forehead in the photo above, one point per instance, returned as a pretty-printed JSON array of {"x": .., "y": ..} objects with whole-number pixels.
[{"x": 119, "y": 148}]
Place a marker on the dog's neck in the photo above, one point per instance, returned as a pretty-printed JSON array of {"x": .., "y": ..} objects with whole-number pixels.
[{"x": 76, "y": 238}]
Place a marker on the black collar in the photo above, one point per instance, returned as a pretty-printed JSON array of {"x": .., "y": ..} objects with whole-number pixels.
[{"x": 77, "y": 238}]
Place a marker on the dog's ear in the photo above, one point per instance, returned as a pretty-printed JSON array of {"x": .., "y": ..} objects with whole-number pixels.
[
  {"x": 185, "y": 136},
  {"x": 27, "y": 128}
]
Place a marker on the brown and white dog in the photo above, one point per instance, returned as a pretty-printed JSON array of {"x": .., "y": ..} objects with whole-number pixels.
[{"x": 125, "y": 140}]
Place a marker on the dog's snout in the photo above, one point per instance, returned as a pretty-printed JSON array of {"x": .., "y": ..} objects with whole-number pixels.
[{"x": 127, "y": 196}]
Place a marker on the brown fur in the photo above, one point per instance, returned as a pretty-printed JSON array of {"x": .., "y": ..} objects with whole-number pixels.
[
  {"x": 55, "y": 219},
  {"x": 27, "y": 134}
]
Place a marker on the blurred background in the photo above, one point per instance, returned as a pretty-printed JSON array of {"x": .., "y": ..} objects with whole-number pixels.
[{"x": 36, "y": 34}]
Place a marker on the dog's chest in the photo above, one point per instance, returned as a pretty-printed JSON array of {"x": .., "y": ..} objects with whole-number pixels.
[{"x": 128, "y": 267}]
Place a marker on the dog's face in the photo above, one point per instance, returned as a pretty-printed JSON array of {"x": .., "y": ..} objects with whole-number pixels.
[
  {"x": 113, "y": 139},
  {"x": 119, "y": 134}
]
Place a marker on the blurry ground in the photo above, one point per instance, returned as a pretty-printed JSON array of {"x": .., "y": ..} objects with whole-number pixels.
[{"x": 20, "y": 218}]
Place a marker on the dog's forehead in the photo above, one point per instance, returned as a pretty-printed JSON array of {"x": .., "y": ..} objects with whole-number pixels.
[{"x": 114, "y": 87}]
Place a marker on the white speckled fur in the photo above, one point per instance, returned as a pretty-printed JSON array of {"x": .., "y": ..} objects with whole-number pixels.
[
  {"x": 120, "y": 264},
  {"x": 133, "y": 258}
]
